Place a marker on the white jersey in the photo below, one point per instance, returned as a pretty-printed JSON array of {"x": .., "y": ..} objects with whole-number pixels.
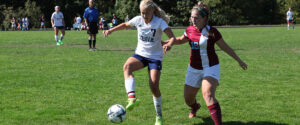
[
  {"x": 149, "y": 37},
  {"x": 78, "y": 20},
  {"x": 58, "y": 18},
  {"x": 289, "y": 15}
]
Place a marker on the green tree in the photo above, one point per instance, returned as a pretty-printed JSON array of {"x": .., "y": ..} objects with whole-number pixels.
[
  {"x": 9, "y": 14},
  {"x": 33, "y": 12},
  {"x": 126, "y": 7}
]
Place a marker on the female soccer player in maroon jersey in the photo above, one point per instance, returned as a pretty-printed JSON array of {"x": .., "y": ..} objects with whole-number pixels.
[{"x": 204, "y": 69}]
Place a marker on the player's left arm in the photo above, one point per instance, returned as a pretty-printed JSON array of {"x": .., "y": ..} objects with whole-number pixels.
[
  {"x": 171, "y": 42},
  {"x": 226, "y": 48},
  {"x": 63, "y": 21}
]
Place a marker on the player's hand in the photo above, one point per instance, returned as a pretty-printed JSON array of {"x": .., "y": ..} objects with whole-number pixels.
[
  {"x": 243, "y": 65},
  {"x": 167, "y": 47},
  {"x": 87, "y": 28},
  {"x": 106, "y": 33},
  {"x": 164, "y": 42}
]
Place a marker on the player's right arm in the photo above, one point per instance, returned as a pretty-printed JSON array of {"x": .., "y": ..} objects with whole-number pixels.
[
  {"x": 178, "y": 41},
  {"x": 119, "y": 27},
  {"x": 52, "y": 20},
  {"x": 86, "y": 23}
]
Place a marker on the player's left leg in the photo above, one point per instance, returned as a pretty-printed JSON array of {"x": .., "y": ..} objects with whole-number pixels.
[
  {"x": 62, "y": 36},
  {"x": 94, "y": 42},
  {"x": 154, "y": 77},
  {"x": 209, "y": 86}
]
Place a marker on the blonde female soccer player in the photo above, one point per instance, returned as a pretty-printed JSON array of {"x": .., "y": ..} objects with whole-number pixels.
[
  {"x": 204, "y": 68},
  {"x": 289, "y": 19},
  {"x": 58, "y": 23},
  {"x": 149, "y": 52}
]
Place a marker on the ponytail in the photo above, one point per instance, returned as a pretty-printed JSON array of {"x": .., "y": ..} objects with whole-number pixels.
[{"x": 157, "y": 10}]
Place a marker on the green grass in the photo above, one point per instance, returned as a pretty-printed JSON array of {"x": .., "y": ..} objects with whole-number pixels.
[{"x": 41, "y": 83}]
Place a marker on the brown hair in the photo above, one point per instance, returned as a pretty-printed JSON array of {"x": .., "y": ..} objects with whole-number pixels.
[{"x": 203, "y": 11}]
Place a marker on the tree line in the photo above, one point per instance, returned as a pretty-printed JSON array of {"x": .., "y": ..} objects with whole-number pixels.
[{"x": 223, "y": 12}]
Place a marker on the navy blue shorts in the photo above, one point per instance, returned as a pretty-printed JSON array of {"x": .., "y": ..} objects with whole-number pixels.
[
  {"x": 151, "y": 63},
  {"x": 60, "y": 27}
]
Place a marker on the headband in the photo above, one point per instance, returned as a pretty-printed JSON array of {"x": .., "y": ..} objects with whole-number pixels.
[{"x": 202, "y": 11}]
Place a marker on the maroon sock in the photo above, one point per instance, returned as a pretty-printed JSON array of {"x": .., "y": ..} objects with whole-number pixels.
[
  {"x": 215, "y": 112},
  {"x": 195, "y": 105}
]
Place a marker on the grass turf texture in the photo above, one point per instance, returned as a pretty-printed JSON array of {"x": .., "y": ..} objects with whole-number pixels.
[{"x": 41, "y": 83}]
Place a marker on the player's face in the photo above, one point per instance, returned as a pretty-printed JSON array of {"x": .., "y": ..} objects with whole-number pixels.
[
  {"x": 147, "y": 14},
  {"x": 197, "y": 20},
  {"x": 91, "y": 3},
  {"x": 57, "y": 9}
]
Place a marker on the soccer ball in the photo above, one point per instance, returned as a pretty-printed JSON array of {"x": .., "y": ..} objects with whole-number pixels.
[{"x": 116, "y": 113}]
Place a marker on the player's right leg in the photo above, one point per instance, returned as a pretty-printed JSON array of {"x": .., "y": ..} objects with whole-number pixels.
[
  {"x": 190, "y": 99},
  {"x": 132, "y": 64},
  {"x": 90, "y": 42},
  {"x": 56, "y": 36},
  {"x": 192, "y": 85},
  {"x": 288, "y": 24}
]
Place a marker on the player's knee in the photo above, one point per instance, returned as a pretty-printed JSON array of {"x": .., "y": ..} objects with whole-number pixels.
[
  {"x": 127, "y": 67},
  {"x": 154, "y": 85},
  {"x": 207, "y": 95}
]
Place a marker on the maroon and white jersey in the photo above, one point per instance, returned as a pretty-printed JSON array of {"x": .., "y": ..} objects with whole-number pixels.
[{"x": 202, "y": 46}]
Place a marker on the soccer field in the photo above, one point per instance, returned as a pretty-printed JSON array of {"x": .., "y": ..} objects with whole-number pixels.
[{"x": 41, "y": 83}]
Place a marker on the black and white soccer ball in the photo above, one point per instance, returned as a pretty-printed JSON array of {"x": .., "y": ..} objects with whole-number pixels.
[{"x": 116, "y": 113}]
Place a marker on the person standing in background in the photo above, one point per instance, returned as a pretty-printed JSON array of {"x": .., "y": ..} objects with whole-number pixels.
[
  {"x": 42, "y": 20},
  {"x": 78, "y": 22},
  {"x": 58, "y": 23},
  {"x": 289, "y": 18},
  {"x": 91, "y": 15},
  {"x": 13, "y": 24},
  {"x": 114, "y": 20}
]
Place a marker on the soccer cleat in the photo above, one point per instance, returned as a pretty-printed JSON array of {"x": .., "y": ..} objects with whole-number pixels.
[
  {"x": 57, "y": 43},
  {"x": 95, "y": 49},
  {"x": 194, "y": 110},
  {"x": 132, "y": 102},
  {"x": 159, "y": 120},
  {"x": 90, "y": 49},
  {"x": 60, "y": 42}
]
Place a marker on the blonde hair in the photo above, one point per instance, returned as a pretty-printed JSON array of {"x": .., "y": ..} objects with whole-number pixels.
[{"x": 157, "y": 10}]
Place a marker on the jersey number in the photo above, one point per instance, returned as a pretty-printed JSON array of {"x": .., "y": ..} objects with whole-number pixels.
[
  {"x": 195, "y": 45},
  {"x": 153, "y": 32}
]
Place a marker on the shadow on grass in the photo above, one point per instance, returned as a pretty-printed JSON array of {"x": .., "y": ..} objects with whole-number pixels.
[
  {"x": 209, "y": 121},
  {"x": 117, "y": 50}
]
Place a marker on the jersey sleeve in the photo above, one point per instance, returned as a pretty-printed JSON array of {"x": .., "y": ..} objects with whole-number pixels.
[
  {"x": 52, "y": 17},
  {"x": 133, "y": 22},
  {"x": 186, "y": 33},
  {"x": 85, "y": 14},
  {"x": 217, "y": 35},
  {"x": 163, "y": 25}
]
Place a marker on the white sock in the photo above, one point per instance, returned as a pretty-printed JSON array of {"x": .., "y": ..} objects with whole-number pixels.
[
  {"x": 157, "y": 105},
  {"x": 61, "y": 37},
  {"x": 129, "y": 85},
  {"x": 56, "y": 38},
  {"x": 288, "y": 26}
]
